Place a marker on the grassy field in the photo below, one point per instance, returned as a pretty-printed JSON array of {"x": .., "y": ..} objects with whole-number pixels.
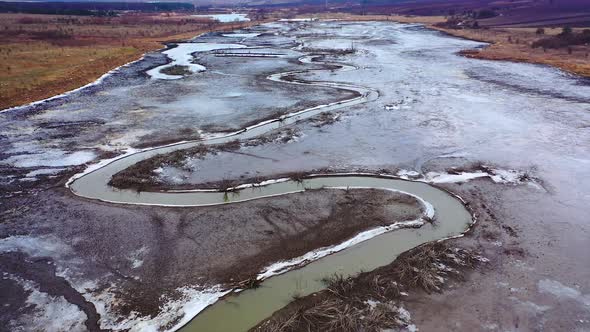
[
  {"x": 45, "y": 55},
  {"x": 514, "y": 44}
]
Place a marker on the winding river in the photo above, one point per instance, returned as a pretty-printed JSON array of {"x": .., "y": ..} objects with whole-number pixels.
[{"x": 374, "y": 248}]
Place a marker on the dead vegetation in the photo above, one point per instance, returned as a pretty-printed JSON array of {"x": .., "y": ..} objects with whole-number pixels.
[
  {"x": 230, "y": 146},
  {"x": 477, "y": 166},
  {"x": 525, "y": 45},
  {"x": 140, "y": 176},
  {"x": 371, "y": 301},
  {"x": 283, "y": 135},
  {"x": 299, "y": 176},
  {"x": 324, "y": 119},
  {"x": 331, "y": 51},
  {"x": 333, "y": 315},
  {"x": 176, "y": 70},
  {"x": 250, "y": 283},
  {"x": 227, "y": 185},
  {"x": 45, "y": 55},
  {"x": 509, "y": 44}
]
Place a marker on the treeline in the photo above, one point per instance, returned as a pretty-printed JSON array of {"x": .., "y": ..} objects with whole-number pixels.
[
  {"x": 565, "y": 39},
  {"x": 91, "y": 8}
]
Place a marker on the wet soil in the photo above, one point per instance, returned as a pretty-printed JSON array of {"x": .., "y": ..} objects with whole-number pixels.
[
  {"x": 436, "y": 111},
  {"x": 205, "y": 246}
]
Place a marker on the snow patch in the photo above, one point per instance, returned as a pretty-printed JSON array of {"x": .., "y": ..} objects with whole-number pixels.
[
  {"x": 135, "y": 258},
  {"x": 48, "y": 313},
  {"x": 126, "y": 139},
  {"x": 51, "y": 158},
  {"x": 224, "y": 18},
  {"x": 44, "y": 171},
  {"x": 434, "y": 177},
  {"x": 189, "y": 302},
  {"x": 531, "y": 306},
  {"x": 284, "y": 266},
  {"x": 182, "y": 55},
  {"x": 241, "y": 35},
  {"x": 308, "y": 19},
  {"x": 42, "y": 246},
  {"x": 406, "y": 174},
  {"x": 497, "y": 175},
  {"x": 562, "y": 291}
]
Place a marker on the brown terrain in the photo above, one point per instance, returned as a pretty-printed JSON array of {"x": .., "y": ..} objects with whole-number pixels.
[
  {"x": 45, "y": 55},
  {"x": 507, "y": 43},
  {"x": 505, "y": 233},
  {"x": 515, "y": 44}
]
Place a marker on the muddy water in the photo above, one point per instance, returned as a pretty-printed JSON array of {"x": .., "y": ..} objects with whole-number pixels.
[
  {"x": 242, "y": 311},
  {"x": 239, "y": 312},
  {"x": 94, "y": 184}
]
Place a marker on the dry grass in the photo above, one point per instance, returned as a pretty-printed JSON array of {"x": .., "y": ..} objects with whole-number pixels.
[
  {"x": 45, "y": 55},
  {"x": 140, "y": 176},
  {"x": 509, "y": 44},
  {"x": 299, "y": 177},
  {"x": 176, "y": 70},
  {"x": 427, "y": 268},
  {"x": 515, "y": 45},
  {"x": 371, "y": 301},
  {"x": 250, "y": 283},
  {"x": 227, "y": 185},
  {"x": 395, "y": 18},
  {"x": 333, "y": 315},
  {"x": 231, "y": 145}
]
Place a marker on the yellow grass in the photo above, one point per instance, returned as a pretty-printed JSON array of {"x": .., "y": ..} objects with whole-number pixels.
[
  {"x": 395, "y": 18},
  {"x": 33, "y": 69},
  {"x": 515, "y": 45},
  {"x": 39, "y": 70},
  {"x": 510, "y": 44}
]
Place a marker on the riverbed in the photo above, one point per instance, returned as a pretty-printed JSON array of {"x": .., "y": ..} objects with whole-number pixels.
[{"x": 435, "y": 110}]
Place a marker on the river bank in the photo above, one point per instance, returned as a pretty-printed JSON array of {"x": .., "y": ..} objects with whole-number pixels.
[
  {"x": 39, "y": 68},
  {"x": 374, "y": 300},
  {"x": 506, "y": 44},
  {"x": 436, "y": 113}
]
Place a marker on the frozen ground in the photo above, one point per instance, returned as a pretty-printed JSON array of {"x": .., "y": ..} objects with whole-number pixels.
[
  {"x": 182, "y": 55},
  {"x": 436, "y": 111},
  {"x": 130, "y": 108},
  {"x": 233, "y": 17}
]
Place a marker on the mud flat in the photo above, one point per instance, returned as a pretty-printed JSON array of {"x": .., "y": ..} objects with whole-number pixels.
[{"x": 237, "y": 313}]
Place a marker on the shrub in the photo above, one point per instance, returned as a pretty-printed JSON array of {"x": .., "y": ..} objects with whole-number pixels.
[
  {"x": 486, "y": 13},
  {"x": 566, "y": 31},
  {"x": 564, "y": 39}
]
